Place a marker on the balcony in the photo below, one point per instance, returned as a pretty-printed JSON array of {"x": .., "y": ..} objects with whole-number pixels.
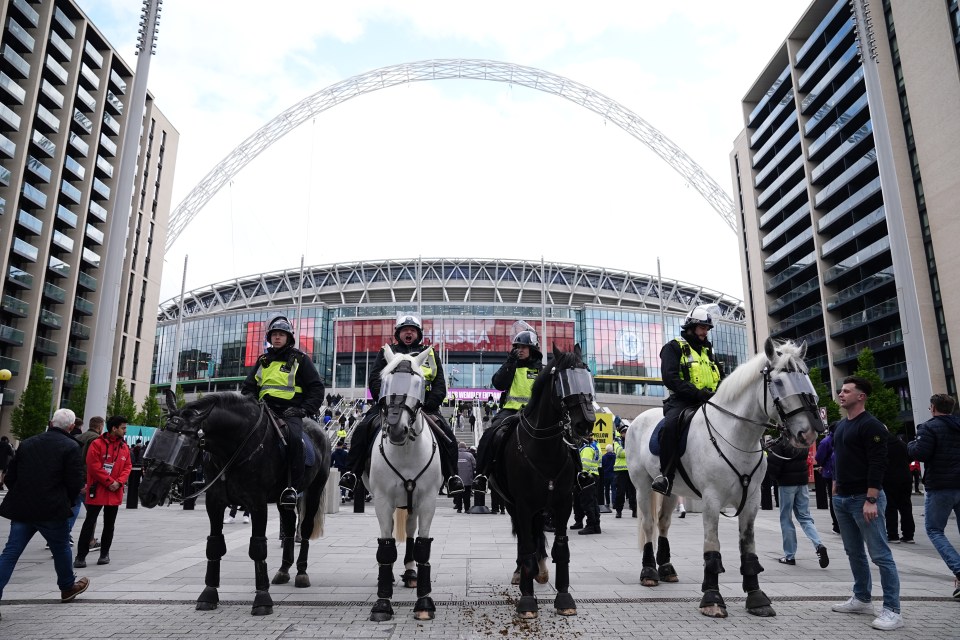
[
  {"x": 813, "y": 311},
  {"x": 794, "y": 294},
  {"x": 9, "y": 335},
  {"x": 857, "y": 290},
  {"x": 45, "y": 346},
  {"x": 79, "y": 331},
  {"x": 864, "y": 317},
  {"x": 10, "y": 363},
  {"x": 83, "y": 306},
  {"x": 54, "y": 293},
  {"x": 15, "y": 306},
  {"x": 87, "y": 281},
  {"x": 51, "y": 319},
  {"x": 892, "y": 339},
  {"x": 71, "y": 379},
  {"x": 19, "y": 278},
  {"x": 76, "y": 356}
]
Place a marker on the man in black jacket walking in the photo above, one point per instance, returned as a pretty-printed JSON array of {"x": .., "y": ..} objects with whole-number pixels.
[{"x": 44, "y": 478}]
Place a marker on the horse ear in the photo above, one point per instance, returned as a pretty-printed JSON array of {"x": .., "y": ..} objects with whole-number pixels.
[
  {"x": 388, "y": 353},
  {"x": 556, "y": 352},
  {"x": 576, "y": 350},
  {"x": 421, "y": 358},
  {"x": 802, "y": 350},
  {"x": 769, "y": 348},
  {"x": 171, "y": 399}
]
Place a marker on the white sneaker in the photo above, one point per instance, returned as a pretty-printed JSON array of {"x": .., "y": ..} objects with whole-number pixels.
[
  {"x": 887, "y": 620},
  {"x": 246, "y": 519},
  {"x": 854, "y": 606},
  {"x": 229, "y": 520}
]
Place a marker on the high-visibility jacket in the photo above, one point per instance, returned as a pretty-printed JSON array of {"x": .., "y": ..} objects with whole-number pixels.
[
  {"x": 521, "y": 388},
  {"x": 278, "y": 379},
  {"x": 590, "y": 460},
  {"x": 699, "y": 369},
  {"x": 620, "y": 464}
]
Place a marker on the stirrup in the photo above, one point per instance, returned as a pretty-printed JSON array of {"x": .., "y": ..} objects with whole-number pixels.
[
  {"x": 454, "y": 485},
  {"x": 662, "y": 485},
  {"x": 585, "y": 480},
  {"x": 288, "y": 499},
  {"x": 348, "y": 481},
  {"x": 480, "y": 483}
]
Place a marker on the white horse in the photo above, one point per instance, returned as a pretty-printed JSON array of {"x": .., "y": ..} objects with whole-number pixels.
[
  {"x": 405, "y": 479},
  {"x": 724, "y": 464}
]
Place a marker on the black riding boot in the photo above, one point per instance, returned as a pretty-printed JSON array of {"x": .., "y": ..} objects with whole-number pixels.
[
  {"x": 295, "y": 460},
  {"x": 357, "y": 454},
  {"x": 668, "y": 463}
]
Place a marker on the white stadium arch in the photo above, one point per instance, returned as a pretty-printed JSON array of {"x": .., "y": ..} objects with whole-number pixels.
[{"x": 451, "y": 69}]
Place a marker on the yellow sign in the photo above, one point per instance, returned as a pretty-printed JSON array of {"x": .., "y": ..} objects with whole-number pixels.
[{"x": 603, "y": 430}]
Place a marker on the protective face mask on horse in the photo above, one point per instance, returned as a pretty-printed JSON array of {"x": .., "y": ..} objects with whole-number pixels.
[
  {"x": 402, "y": 388},
  {"x": 175, "y": 449},
  {"x": 574, "y": 382},
  {"x": 792, "y": 392}
]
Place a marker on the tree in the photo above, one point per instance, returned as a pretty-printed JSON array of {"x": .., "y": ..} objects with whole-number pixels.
[
  {"x": 121, "y": 403},
  {"x": 882, "y": 402},
  {"x": 825, "y": 396},
  {"x": 32, "y": 413},
  {"x": 78, "y": 396},
  {"x": 181, "y": 399},
  {"x": 150, "y": 415}
]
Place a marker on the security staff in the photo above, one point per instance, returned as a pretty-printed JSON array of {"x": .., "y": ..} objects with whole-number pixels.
[
  {"x": 590, "y": 459},
  {"x": 409, "y": 334},
  {"x": 625, "y": 489},
  {"x": 286, "y": 380},
  {"x": 691, "y": 373}
]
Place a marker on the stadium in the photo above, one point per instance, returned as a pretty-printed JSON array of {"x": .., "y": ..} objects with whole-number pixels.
[{"x": 345, "y": 313}]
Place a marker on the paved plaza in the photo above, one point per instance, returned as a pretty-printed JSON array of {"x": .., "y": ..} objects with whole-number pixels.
[{"x": 158, "y": 563}]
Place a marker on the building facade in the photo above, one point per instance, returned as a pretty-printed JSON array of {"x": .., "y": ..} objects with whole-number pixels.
[
  {"x": 468, "y": 306},
  {"x": 814, "y": 218},
  {"x": 63, "y": 92}
]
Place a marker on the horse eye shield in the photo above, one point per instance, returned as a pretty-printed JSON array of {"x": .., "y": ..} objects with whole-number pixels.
[
  {"x": 793, "y": 392},
  {"x": 571, "y": 382},
  {"x": 175, "y": 449},
  {"x": 406, "y": 386}
]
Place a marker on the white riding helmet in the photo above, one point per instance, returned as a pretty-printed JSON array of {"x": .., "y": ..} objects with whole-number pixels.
[
  {"x": 700, "y": 315},
  {"x": 408, "y": 320}
]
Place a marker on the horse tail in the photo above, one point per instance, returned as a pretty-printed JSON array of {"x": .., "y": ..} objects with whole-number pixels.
[
  {"x": 319, "y": 517},
  {"x": 400, "y": 525}
]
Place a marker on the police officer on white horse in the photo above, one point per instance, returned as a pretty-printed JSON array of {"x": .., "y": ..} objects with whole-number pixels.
[
  {"x": 288, "y": 382},
  {"x": 409, "y": 335},
  {"x": 691, "y": 373}
]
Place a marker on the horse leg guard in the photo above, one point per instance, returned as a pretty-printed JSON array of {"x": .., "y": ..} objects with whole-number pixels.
[
  {"x": 665, "y": 567},
  {"x": 421, "y": 554},
  {"x": 386, "y": 556},
  {"x": 208, "y": 600},
  {"x": 381, "y": 611},
  {"x": 258, "y": 548},
  {"x": 565, "y": 604},
  {"x": 409, "y": 576},
  {"x": 648, "y": 574},
  {"x": 282, "y": 576},
  {"x": 712, "y": 603},
  {"x": 302, "y": 580},
  {"x": 216, "y": 549},
  {"x": 758, "y": 604},
  {"x": 560, "y": 554},
  {"x": 527, "y": 607},
  {"x": 262, "y": 603}
]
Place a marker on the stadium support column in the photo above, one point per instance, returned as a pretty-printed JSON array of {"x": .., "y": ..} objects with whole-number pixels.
[{"x": 105, "y": 327}]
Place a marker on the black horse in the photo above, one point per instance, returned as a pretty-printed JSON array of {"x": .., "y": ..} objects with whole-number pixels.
[
  {"x": 245, "y": 464},
  {"x": 536, "y": 475}
]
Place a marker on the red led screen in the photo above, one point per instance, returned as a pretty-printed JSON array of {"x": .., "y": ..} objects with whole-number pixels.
[{"x": 257, "y": 339}]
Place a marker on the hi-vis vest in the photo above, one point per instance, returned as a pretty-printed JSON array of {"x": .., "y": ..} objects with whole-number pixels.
[
  {"x": 278, "y": 379},
  {"x": 521, "y": 388},
  {"x": 698, "y": 368},
  {"x": 590, "y": 460},
  {"x": 620, "y": 463},
  {"x": 429, "y": 368}
]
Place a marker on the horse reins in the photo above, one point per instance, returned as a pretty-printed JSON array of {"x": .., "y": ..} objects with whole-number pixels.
[{"x": 409, "y": 485}]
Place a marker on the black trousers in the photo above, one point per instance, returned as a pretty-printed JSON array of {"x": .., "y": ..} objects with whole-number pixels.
[
  {"x": 899, "y": 504},
  {"x": 90, "y": 524},
  {"x": 588, "y": 505},
  {"x": 625, "y": 490},
  {"x": 365, "y": 432}
]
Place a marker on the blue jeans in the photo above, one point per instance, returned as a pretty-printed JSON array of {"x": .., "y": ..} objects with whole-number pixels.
[
  {"x": 937, "y": 507},
  {"x": 795, "y": 501},
  {"x": 57, "y": 535},
  {"x": 857, "y": 533},
  {"x": 76, "y": 511}
]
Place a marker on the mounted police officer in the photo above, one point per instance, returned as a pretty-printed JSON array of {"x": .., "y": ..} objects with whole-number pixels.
[
  {"x": 409, "y": 335},
  {"x": 691, "y": 373},
  {"x": 286, "y": 380}
]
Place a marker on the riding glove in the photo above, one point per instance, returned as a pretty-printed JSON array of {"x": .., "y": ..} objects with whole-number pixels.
[{"x": 294, "y": 412}]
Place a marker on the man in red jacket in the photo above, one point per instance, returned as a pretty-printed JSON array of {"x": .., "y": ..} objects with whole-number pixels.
[{"x": 108, "y": 467}]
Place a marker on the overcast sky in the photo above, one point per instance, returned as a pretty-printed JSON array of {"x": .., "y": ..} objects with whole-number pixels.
[{"x": 454, "y": 168}]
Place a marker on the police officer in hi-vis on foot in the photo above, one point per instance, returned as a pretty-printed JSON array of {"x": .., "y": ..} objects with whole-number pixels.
[
  {"x": 691, "y": 374},
  {"x": 409, "y": 335},
  {"x": 286, "y": 380}
]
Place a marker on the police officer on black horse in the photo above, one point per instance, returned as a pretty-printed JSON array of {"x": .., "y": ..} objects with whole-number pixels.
[
  {"x": 288, "y": 382},
  {"x": 409, "y": 335},
  {"x": 691, "y": 373}
]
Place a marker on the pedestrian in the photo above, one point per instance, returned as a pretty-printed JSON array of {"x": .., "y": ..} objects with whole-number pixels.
[
  {"x": 937, "y": 445},
  {"x": 232, "y": 516},
  {"x": 466, "y": 469},
  {"x": 94, "y": 429},
  {"x": 788, "y": 466},
  {"x": 824, "y": 458},
  {"x": 43, "y": 478},
  {"x": 917, "y": 476},
  {"x": 6, "y": 455},
  {"x": 626, "y": 492},
  {"x": 860, "y": 458},
  {"x": 590, "y": 459},
  {"x": 897, "y": 484},
  {"x": 607, "y": 476},
  {"x": 108, "y": 467}
]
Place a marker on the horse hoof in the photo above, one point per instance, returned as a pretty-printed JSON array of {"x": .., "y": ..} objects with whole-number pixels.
[
  {"x": 281, "y": 577},
  {"x": 527, "y": 615},
  {"x": 543, "y": 578},
  {"x": 672, "y": 578},
  {"x": 762, "y": 612},
  {"x": 380, "y": 616},
  {"x": 649, "y": 582},
  {"x": 382, "y": 611},
  {"x": 409, "y": 579},
  {"x": 262, "y": 611},
  {"x": 566, "y": 612},
  {"x": 301, "y": 581},
  {"x": 516, "y": 578},
  {"x": 206, "y": 606},
  {"x": 714, "y": 611},
  {"x": 423, "y": 615}
]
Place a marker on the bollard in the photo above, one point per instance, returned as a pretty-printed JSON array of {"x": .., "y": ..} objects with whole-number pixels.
[
  {"x": 359, "y": 496},
  {"x": 479, "y": 503}
]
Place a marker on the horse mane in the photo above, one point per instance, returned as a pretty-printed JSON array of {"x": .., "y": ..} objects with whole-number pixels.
[
  {"x": 399, "y": 357},
  {"x": 787, "y": 355},
  {"x": 220, "y": 399},
  {"x": 567, "y": 360}
]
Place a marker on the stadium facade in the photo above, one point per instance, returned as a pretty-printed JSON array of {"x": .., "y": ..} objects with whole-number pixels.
[{"x": 468, "y": 306}]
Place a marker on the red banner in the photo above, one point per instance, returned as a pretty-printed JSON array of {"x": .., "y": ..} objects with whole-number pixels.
[
  {"x": 456, "y": 334},
  {"x": 257, "y": 339}
]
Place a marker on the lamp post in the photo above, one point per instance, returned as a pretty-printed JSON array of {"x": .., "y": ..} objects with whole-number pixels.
[{"x": 5, "y": 376}]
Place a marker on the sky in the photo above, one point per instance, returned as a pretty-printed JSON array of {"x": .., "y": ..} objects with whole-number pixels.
[{"x": 454, "y": 168}]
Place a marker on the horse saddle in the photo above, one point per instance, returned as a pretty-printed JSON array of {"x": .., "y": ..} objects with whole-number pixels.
[
  {"x": 487, "y": 456},
  {"x": 686, "y": 416},
  {"x": 309, "y": 453}
]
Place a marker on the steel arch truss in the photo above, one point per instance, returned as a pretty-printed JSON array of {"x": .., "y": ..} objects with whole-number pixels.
[
  {"x": 452, "y": 281},
  {"x": 424, "y": 70}
]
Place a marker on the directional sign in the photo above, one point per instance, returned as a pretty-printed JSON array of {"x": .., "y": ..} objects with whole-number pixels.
[{"x": 603, "y": 430}]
